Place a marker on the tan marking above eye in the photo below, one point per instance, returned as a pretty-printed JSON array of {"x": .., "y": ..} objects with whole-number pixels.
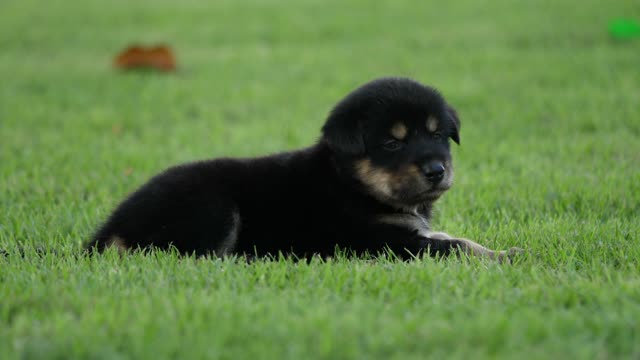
[
  {"x": 432, "y": 124},
  {"x": 399, "y": 131}
]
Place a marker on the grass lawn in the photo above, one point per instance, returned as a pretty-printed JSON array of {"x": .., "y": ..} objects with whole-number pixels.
[{"x": 550, "y": 162}]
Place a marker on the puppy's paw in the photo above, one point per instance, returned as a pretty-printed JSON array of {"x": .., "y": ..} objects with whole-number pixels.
[{"x": 508, "y": 256}]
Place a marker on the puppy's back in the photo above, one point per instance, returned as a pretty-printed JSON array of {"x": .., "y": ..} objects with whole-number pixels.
[{"x": 210, "y": 206}]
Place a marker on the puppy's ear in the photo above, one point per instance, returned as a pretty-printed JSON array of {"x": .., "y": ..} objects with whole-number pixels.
[
  {"x": 343, "y": 134},
  {"x": 455, "y": 120}
]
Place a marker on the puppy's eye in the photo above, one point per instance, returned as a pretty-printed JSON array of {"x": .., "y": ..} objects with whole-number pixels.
[
  {"x": 437, "y": 135},
  {"x": 392, "y": 145}
]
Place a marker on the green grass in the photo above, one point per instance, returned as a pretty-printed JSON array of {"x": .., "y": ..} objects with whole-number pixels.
[{"x": 550, "y": 161}]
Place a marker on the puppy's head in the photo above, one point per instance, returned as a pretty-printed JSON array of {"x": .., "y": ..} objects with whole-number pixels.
[{"x": 392, "y": 136}]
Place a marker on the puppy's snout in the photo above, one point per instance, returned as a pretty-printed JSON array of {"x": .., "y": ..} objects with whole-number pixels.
[{"x": 434, "y": 171}]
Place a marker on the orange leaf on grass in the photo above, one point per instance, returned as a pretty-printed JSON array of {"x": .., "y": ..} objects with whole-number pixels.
[{"x": 138, "y": 57}]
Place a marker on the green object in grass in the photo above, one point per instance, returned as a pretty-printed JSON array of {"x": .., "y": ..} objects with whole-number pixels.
[{"x": 624, "y": 28}]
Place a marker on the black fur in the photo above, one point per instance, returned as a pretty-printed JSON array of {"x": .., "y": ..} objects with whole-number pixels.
[{"x": 330, "y": 195}]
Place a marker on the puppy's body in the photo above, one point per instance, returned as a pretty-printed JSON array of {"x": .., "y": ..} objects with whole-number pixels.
[
  {"x": 291, "y": 203},
  {"x": 352, "y": 190}
]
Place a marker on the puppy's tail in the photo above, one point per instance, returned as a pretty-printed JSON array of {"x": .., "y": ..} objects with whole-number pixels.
[{"x": 102, "y": 240}]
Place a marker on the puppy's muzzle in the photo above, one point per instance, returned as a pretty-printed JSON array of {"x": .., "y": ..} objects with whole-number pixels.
[{"x": 433, "y": 171}]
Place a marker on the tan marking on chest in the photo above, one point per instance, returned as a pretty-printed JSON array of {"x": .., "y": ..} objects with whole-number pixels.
[{"x": 412, "y": 222}]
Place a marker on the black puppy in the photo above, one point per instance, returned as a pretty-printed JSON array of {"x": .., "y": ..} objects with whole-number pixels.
[{"x": 367, "y": 186}]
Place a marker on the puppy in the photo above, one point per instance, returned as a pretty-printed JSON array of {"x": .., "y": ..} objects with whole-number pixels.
[{"x": 367, "y": 186}]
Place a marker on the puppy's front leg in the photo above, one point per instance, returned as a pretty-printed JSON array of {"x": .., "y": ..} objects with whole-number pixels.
[{"x": 445, "y": 241}]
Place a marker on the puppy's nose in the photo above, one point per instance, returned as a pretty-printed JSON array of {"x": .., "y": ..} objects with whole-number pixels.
[{"x": 434, "y": 171}]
